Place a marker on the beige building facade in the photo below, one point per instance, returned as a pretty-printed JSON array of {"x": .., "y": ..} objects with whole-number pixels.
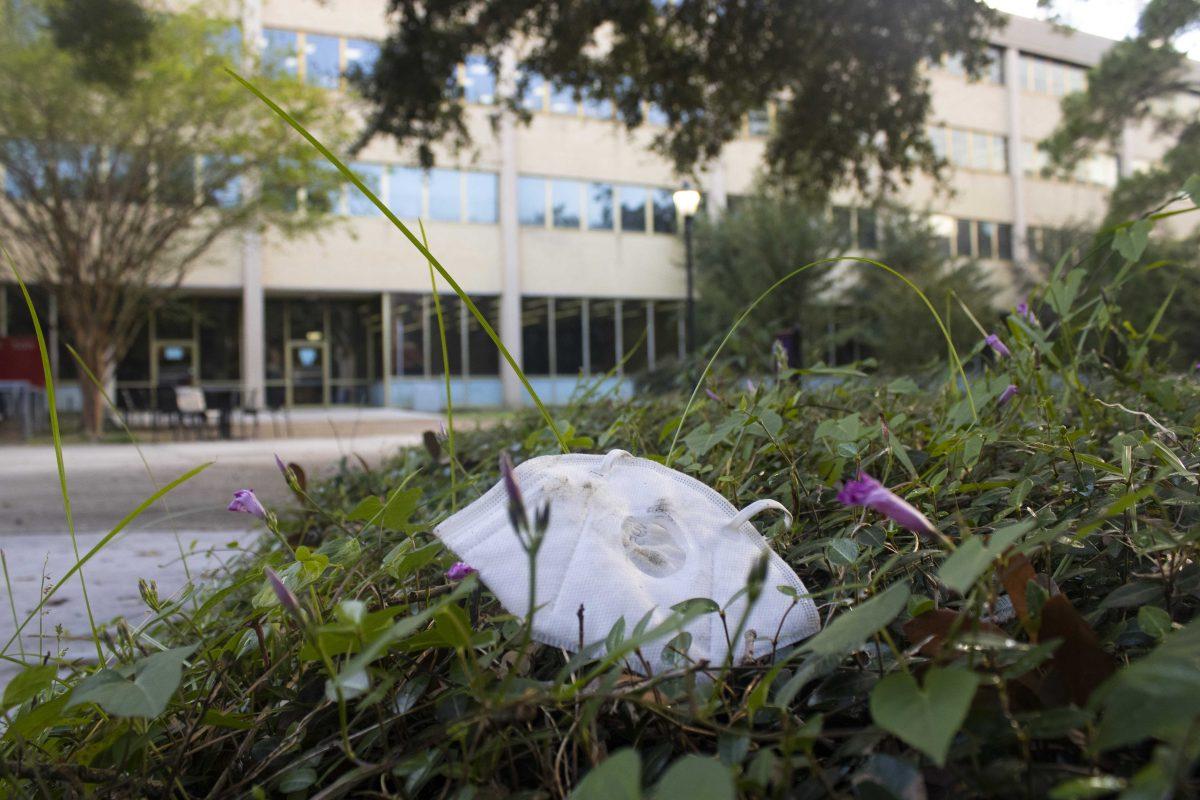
[{"x": 564, "y": 232}]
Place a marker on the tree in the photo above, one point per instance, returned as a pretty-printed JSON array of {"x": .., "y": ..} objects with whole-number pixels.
[
  {"x": 894, "y": 324},
  {"x": 766, "y": 238},
  {"x": 1138, "y": 80},
  {"x": 845, "y": 75},
  {"x": 122, "y": 170},
  {"x": 755, "y": 244}
]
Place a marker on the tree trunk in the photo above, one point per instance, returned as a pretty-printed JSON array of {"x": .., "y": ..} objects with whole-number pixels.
[{"x": 98, "y": 358}]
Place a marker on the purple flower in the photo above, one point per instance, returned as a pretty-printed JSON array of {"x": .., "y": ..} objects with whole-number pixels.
[
  {"x": 460, "y": 570},
  {"x": 283, "y": 470},
  {"x": 245, "y": 501},
  {"x": 750, "y": 387},
  {"x": 1025, "y": 312},
  {"x": 868, "y": 492},
  {"x": 287, "y": 599},
  {"x": 711, "y": 395},
  {"x": 516, "y": 503},
  {"x": 1007, "y": 394},
  {"x": 993, "y": 341}
]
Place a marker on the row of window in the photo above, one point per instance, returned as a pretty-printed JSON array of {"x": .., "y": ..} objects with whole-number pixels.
[
  {"x": 970, "y": 149},
  {"x": 1101, "y": 169},
  {"x": 318, "y": 59},
  {"x": 993, "y": 73},
  {"x": 572, "y": 205},
  {"x": 444, "y": 195},
  {"x": 559, "y": 336},
  {"x": 1047, "y": 76},
  {"x": 974, "y": 238}
]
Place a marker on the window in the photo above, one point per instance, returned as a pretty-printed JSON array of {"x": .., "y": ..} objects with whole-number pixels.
[
  {"x": 445, "y": 195},
  {"x": 868, "y": 235},
  {"x": 986, "y": 239},
  {"x": 1045, "y": 76},
  {"x": 562, "y": 100},
  {"x": 565, "y": 201},
  {"x": 479, "y": 84},
  {"x": 531, "y": 201},
  {"x": 1100, "y": 169},
  {"x": 534, "y": 96},
  {"x": 1004, "y": 243},
  {"x": 482, "y": 197},
  {"x": 404, "y": 192},
  {"x": 843, "y": 223},
  {"x": 758, "y": 122},
  {"x": 668, "y": 318},
  {"x": 357, "y": 203},
  {"x": 226, "y": 42},
  {"x": 321, "y": 61},
  {"x": 964, "y": 238},
  {"x": 993, "y": 71},
  {"x": 634, "y": 338},
  {"x": 568, "y": 337},
  {"x": 361, "y": 55},
  {"x": 600, "y": 207},
  {"x": 971, "y": 149},
  {"x": 225, "y": 190},
  {"x": 664, "y": 211},
  {"x": 602, "y": 335},
  {"x": 535, "y": 336},
  {"x": 451, "y": 308},
  {"x": 326, "y": 197},
  {"x": 482, "y": 354},
  {"x": 279, "y": 52},
  {"x": 633, "y": 208},
  {"x": 597, "y": 107}
]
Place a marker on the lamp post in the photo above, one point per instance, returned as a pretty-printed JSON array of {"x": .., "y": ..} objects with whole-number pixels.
[{"x": 687, "y": 202}]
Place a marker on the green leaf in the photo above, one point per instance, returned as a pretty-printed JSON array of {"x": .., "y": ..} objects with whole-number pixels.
[
  {"x": 926, "y": 718},
  {"x": 29, "y": 683},
  {"x": 366, "y": 509},
  {"x": 618, "y": 777},
  {"x": 842, "y": 552},
  {"x": 1083, "y": 788},
  {"x": 156, "y": 677},
  {"x": 1158, "y": 695},
  {"x": 400, "y": 507},
  {"x": 297, "y": 780},
  {"x": 695, "y": 778},
  {"x": 1154, "y": 621},
  {"x": 860, "y": 623},
  {"x": 960, "y": 570},
  {"x": 1130, "y": 240},
  {"x": 1133, "y": 594},
  {"x": 1191, "y": 188}
]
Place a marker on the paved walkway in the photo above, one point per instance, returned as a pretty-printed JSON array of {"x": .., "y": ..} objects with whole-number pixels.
[{"x": 108, "y": 481}]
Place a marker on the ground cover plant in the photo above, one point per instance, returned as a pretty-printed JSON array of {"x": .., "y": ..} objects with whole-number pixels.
[
  {"x": 1037, "y": 641},
  {"x": 1003, "y": 556}
]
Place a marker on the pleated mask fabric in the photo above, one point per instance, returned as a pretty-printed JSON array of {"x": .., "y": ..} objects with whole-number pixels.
[{"x": 629, "y": 536}]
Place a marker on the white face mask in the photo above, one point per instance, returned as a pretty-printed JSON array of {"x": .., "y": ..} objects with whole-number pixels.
[{"x": 628, "y": 536}]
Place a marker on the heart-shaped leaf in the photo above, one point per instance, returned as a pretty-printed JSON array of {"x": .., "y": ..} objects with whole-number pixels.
[
  {"x": 156, "y": 678},
  {"x": 695, "y": 778},
  {"x": 926, "y": 718},
  {"x": 619, "y": 777}
]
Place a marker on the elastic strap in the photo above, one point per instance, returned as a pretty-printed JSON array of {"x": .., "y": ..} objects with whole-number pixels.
[
  {"x": 610, "y": 459},
  {"x": 754, "y": 508}
]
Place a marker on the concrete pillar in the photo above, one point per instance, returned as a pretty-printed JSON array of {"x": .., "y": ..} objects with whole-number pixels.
[
  {"x": 718, "y": 198},
  {"x": 510, "y": 254},
  {"x": 385, "y": 346},
  {"x": 1016, "y": 166},
  {"x": 254, "y": 390}
]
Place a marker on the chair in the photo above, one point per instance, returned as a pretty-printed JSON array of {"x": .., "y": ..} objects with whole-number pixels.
[{"x": 193, "y": 408}]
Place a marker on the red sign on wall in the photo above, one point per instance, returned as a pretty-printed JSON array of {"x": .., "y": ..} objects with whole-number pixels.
[{"x": 20, "y": 360}]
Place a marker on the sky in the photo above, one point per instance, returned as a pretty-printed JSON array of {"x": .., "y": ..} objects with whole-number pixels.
[{"x": 1114, "y": 19}]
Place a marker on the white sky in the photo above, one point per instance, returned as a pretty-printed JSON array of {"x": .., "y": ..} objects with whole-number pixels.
[{"x": 1114, "y": 19}]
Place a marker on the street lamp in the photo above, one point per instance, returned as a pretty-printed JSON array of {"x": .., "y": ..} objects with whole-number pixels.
[{"x": 687, "y": 202}]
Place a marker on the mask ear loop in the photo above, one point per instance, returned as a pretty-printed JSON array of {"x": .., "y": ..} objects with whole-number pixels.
[
  {"x": 611, "y": 458},
  {"x": 754, "y": 508}
]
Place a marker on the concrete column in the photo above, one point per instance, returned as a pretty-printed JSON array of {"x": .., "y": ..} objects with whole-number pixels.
[
  {"x": 718, "y": 198},
  {"x": 1016, "y": 166},
  {"x": 510, "y": 254},
  {"x": 253, "y": 367},
  {"x": 1124, "y": 154},
  {"x": 385, "y": 349}
]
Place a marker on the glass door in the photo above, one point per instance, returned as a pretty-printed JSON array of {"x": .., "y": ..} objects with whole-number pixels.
[
  {"x": 307, "y": 374},
  {"x": 174, "y": 363}
]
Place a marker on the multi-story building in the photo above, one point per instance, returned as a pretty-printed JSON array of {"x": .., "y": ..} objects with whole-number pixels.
[{"x": 564, "y": 231}]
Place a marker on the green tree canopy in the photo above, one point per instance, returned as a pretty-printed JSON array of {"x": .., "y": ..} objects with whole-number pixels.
[
  {"x": 845, "y": 75},
  {"x": 127, "y": 152}
]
